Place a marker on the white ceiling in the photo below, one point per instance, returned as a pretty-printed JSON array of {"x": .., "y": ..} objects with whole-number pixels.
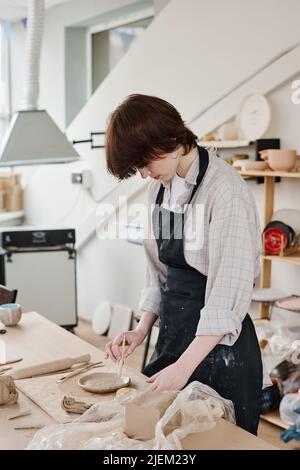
[{"x": 15, "y": 10}]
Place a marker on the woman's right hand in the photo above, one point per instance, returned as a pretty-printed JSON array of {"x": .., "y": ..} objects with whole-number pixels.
[{"x": 113, "y": 349}]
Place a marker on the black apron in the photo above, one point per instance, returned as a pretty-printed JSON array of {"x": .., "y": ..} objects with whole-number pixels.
[{"x": 235, "y": 372}]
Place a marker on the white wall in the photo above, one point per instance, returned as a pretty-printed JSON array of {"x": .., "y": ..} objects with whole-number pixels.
[
  {"x": 194, "y": 52},
  {"x": 50, "y": 199},
  {"x": 159, "y": 5}
]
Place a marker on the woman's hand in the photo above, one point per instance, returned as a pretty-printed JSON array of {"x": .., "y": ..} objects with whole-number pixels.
[
  {"x": 134, "y": 338},
  {"x": 173, "y": 377}
]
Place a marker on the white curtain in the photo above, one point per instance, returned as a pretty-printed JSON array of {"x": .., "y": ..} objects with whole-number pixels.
[{"x": 5, "y": 105}]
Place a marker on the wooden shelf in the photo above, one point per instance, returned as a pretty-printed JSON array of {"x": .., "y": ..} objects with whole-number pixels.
[
  {"x": 282, "y": 174},
  {"x": 292, "y": 259},
  {"x": 224, "y": 144},
  {"x": 11, "y": 218},
  {"x": 273, "y": 417}
]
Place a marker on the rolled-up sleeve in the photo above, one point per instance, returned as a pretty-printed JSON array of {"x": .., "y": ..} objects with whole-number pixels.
[
  {"x": 150, "y": 294},
  {"x": 232, "y": 254}
]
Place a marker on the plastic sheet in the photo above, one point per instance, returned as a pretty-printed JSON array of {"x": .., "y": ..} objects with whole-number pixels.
[
  {"x": 194, "y": 410},
  {"x": 101, "y": 427},
  {"x": 291, "y": 384},
  {"x": 288, "y": 405},
  {"x": 281, "y": 346}
]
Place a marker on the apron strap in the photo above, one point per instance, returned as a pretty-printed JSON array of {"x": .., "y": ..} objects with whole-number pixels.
[{"x": 203, "y": 164}]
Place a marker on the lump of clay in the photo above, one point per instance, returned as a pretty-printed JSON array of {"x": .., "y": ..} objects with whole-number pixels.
[
  {"x": 8, "y": 391},
  {"x": 71, "y": 405},
  {"x": 124, "y": 391},
  {"x": 151, "y": 406}
]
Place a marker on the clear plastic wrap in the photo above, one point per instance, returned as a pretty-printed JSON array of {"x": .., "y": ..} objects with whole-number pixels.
[
  {"x": 102, "y": 426},
  {"x": 288, "y": 405},
  {"x": 72, "y": 436},
  {"x": 194, "y": 410}
]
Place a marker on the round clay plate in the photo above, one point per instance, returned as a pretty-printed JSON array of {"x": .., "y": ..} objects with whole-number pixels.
[
  {"x": 254, "y": 116},
  {"x": 290, "y": 303},
  {"x": 102, "y": 382},
  {"x": 267, "y": 294}
]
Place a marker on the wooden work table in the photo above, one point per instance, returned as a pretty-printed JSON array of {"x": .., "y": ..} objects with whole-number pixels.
[{"x": 36, "y": 340}]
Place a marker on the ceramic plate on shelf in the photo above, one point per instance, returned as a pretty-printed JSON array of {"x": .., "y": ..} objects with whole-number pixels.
[
  {"x": 102, "y": 382},
  {"x": 290, "y": 303},
  {"x": 102, "y": 318},
  {"x": 254, "y": 116},
  {"x": 268, "y": 294}
]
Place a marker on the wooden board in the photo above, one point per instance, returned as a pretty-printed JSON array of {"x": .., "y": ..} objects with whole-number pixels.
[
  {"x": 47, "y": 394},
  {"x": 225, "y": 436},
  {"x": 273, "y": 417}
]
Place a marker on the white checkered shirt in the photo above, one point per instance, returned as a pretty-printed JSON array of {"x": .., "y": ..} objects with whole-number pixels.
[{"x": 228, "y": 252}]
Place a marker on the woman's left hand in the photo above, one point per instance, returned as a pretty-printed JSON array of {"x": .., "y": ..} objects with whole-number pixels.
[{"x": 173, "y": 377}]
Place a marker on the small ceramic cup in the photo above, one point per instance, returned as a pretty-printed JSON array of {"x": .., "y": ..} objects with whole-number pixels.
[{"x": 10, "y": 314}]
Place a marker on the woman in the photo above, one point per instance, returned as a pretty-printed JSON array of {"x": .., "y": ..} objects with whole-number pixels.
[{"x": 200, "y": 290}]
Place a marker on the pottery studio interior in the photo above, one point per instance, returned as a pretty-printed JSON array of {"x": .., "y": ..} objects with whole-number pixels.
[{"x": 143, "y": 141}]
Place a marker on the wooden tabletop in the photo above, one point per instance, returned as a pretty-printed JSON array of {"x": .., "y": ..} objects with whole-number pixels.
[{"x": 37, "y": 340}]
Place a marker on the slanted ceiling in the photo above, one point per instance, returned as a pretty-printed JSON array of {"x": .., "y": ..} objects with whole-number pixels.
[{"x": 192, "y": 54}]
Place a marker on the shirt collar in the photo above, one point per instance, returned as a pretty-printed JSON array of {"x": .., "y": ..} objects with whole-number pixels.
[{"x": 192, "y": 173}]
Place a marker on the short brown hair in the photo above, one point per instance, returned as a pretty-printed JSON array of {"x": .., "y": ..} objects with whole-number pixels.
[{"x": 141, "y": 129}]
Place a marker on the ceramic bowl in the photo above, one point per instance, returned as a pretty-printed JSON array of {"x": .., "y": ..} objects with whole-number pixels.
[
  {"x": 102, "y": 382},
  {"x": 247, "y": 165},
  {"x": 282, "y": 160},
  {"x": 10, "y": 314}
]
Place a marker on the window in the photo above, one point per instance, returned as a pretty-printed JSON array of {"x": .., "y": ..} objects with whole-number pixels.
[
  {"x": 4, "y": 78},
  {"x": 108, "y": 47}
]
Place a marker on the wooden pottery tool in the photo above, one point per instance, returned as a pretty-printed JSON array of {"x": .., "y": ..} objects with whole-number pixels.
[
  {"x": 4, "y": 369},
  {"x": 122, "y": 359},
  {"x": 30, "y": 426},
  {"x": 48, "y": 367},
  {"x": 79, "y": 371},
  {"x": 20, "y": 415},
  {"x": 11, "y": 361}
]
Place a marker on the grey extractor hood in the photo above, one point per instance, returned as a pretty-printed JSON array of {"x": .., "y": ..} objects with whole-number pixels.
[{"x": 32, "y": 137}]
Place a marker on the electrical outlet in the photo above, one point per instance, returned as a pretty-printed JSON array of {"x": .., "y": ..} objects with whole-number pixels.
[
  {"x": 76, "y": 177},
  {"x": 83, "y": 177}
]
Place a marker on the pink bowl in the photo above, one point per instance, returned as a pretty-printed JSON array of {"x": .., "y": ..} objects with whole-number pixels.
[{"x": 281, "y": 159}]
